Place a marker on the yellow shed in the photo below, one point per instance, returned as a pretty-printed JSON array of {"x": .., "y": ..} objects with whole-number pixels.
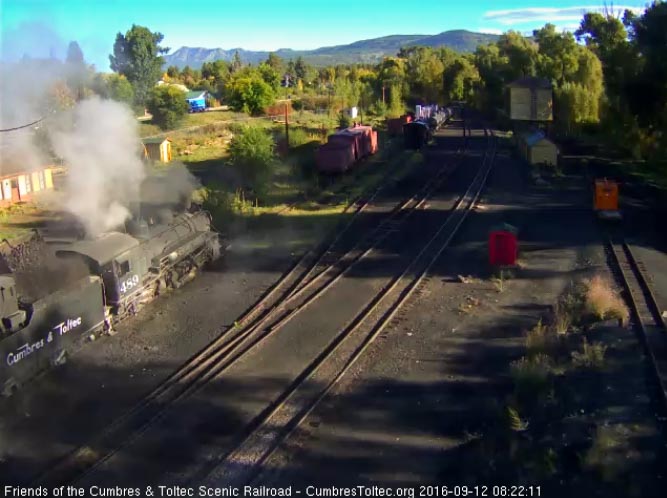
[
  {"x": 48, "y": 178},
  {"x": 157, "y": 149},
  {"x": 531, "y": 99}
]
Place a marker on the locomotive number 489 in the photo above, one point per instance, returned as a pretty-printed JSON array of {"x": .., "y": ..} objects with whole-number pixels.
[{"x": 129, "y": 283}]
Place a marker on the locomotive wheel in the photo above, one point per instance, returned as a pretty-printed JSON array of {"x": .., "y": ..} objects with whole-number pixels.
[
  {"x": 59, "y": 358},
  {"x": 10, "y": 387},
  {"x": 175, "y": 281}
]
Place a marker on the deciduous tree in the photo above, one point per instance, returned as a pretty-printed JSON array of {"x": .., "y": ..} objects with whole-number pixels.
[
  {"x": 249, "y": 93},
  {"x": 137, "y": 56},
  {"x": 168, "y": 106},
  {"x": 251, "y": 154}
]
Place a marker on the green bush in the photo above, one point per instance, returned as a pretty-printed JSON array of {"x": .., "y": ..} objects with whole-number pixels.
[
  {"x": 344, "y": 120},
  {"x": 298, "y": 136},
  {"x": 250, "y": 94},
  {"x": 168, "y": 106},
  {"x": 223, "y": 205},
  {"x": 297, "y": 105},
  {"x": 251, "y": 154}
]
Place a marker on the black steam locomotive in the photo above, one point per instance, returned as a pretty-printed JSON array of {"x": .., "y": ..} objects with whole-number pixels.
[{"x": 116, "y": 273}]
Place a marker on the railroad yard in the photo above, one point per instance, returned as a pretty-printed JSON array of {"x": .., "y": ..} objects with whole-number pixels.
[{"x": 386, "y": 350}]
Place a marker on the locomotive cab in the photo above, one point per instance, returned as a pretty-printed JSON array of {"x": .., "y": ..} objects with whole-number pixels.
[
  {"x": 12, "y": 316},
  {"x": 117, "y": 258}
]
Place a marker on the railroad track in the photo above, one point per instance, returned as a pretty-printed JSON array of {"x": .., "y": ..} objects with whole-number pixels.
[
  {"x": 120, "y": 463},
  {"x": 644, "y": 310},
  {"x": 308, "y": 279},
  {"x": 243, "y": 463}
]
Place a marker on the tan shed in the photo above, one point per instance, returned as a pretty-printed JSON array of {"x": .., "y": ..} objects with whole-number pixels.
[
  {"x": 157, "y": 149},
  {"x": 531, "y": 99},
  {"x": 537, "y": 149}
]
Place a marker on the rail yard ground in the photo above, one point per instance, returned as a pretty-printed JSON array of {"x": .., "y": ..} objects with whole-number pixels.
[
  {"x": 435, "y": 399},
  {"x": 429, "y": 402}
]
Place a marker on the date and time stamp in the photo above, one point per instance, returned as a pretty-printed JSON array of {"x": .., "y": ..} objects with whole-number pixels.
[{"x": 478, "y": 490}]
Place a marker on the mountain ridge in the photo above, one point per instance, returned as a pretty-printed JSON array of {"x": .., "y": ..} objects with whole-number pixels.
[{"x": 371, "y": 50}]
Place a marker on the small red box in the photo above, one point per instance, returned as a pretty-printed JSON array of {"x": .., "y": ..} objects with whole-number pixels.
[{"x": 503, "y": 248}]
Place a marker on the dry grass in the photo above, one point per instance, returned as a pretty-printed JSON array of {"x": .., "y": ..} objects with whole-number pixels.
[
  {"x": 562, "y": 319},
  {"x": 539, "y": 340},
  {"x": 602, "y": 300},
  {"x": 606, "y": 454},
  {"x": 499, "y": 282},
  {"x": 531, "y": 374},
  {"x": 590, "y": 356},
  {"x": 514, "y": 420}
]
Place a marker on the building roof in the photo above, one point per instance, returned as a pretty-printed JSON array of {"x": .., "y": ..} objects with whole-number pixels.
[
  {"x": 532, "y": 83},
  {"x": 158, "y": 140},
  {"x": 13, "y": 172},
  {"x": 195, "y": 95},
  {"x": 535, "y": 137},
  {"x": 177, "y": 85},
  {"x": 101, "y": 249}
]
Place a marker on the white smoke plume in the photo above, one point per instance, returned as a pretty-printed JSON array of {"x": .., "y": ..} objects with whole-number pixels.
[
  {"x": 23, "y": 89},
  {"x": 99, "y": 144}
]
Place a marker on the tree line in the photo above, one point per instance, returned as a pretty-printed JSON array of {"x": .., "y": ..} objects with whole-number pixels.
[{"x": 609, "y": 75}]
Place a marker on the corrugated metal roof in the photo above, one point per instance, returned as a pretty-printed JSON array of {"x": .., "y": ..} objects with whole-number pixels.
[
  {"x": 102, "y": 249},
  {"x": 155, "y": 140},
  {"x": 4, "y": 175},
  {"x": 531, "y": 82},
  {"x": 532, "y": 138},
  {"x": 195, "y": 95}
]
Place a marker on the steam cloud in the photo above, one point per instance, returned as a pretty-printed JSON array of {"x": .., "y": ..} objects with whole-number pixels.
[
  {"x": 97, "y": 141},
  {"x": 100, "y": 147}
]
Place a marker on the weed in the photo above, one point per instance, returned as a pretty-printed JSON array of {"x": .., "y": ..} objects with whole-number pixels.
[
  {"x": 514, "y": 421},
  {"x": 591, "y": 356},
  {"x": 531, "y": 375},
  {"x": 603, "y": 456},
  {"x": 562, "y": 320},
  {"x": 499, "y": 281},
  {"x": 603, "y": 302},
  {"x": 464, "y": 308},
  {"x": 538, "y": 339}
]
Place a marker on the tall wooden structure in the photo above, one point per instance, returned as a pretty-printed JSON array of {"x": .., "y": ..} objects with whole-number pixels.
[{"x": 530, "y": 99}]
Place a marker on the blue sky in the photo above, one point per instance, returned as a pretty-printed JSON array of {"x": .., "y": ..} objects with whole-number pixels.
[{"x": 38, "y": 27}]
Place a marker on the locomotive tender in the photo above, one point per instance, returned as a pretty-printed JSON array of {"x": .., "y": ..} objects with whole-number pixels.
[{"x": 125, "y": 270}]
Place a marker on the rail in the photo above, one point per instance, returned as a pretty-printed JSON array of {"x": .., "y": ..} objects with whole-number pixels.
[
  {"x": 645, "y": 312},
  {"x": 242, "y": 464},
  {"x": 257, "y": 324}
]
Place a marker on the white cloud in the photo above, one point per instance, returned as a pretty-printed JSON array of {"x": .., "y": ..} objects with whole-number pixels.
[{"x": 511, "y": 17}]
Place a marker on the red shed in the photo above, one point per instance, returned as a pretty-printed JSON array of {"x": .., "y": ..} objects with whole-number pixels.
[{"x": 503, "y": 246}]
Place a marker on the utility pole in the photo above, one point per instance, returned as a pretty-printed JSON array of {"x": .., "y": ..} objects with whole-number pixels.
[
  {"x": 286, "y": 127},
  {"x": 383, "y": 87}
]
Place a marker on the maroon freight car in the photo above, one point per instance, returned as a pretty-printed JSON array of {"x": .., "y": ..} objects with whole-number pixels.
[
  {"x": 346, "y": 147},
  {"x": 335, "y": 157}
]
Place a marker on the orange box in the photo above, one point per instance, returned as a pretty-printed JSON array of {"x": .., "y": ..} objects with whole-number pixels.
[{"x": 606, "y": 195}]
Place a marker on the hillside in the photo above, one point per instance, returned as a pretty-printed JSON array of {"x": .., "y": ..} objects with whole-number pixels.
[{"x": 371, "y": 51}]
